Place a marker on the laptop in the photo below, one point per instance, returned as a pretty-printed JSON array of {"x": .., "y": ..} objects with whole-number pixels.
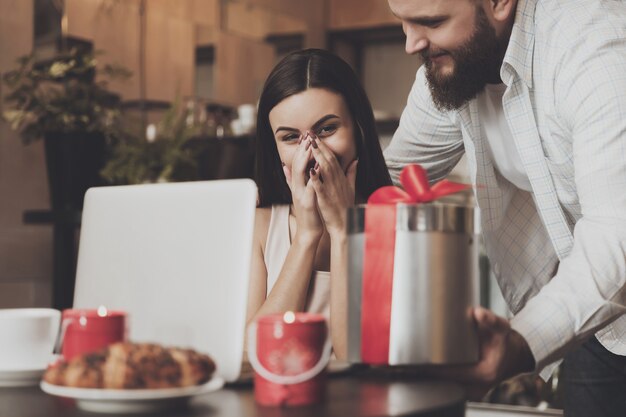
[{"x": 176, "y": 257}]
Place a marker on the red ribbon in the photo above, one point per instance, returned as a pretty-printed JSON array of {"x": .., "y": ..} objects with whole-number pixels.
[{"x": 380, "y": 239}]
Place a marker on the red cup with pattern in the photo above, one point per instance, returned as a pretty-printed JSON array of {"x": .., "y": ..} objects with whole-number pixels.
[{"x": 289, "y": 353}]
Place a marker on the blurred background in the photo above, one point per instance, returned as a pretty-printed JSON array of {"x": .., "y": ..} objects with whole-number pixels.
[
  {"x": 99, "y": 92},
  {"x": 182, "y": 77}
]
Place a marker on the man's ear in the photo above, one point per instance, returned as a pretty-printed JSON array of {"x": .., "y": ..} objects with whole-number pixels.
[
  {"x": 501, "y": 10},
  {"x": 501, "y": 14}
]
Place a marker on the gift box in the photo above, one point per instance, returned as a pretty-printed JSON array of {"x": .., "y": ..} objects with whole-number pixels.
[{"x": 413, "y": 278}]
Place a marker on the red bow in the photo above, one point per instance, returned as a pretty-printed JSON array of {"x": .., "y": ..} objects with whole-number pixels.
[
  {"x": 414, "y": 180},
  {"x": 380, "y": 238}
]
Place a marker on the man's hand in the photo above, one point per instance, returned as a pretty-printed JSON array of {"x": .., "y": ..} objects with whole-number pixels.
[{"x": 503, "y": 354}]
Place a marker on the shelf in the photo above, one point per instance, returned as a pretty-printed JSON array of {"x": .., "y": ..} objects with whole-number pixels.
[
  {"x": 387, "y": 126},
  {"x": 65, "y": 217}
]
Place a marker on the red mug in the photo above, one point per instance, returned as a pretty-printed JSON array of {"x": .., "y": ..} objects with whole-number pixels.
[
  {"x": 84, "y": 331},
  {"x": 289, "y": 353}
]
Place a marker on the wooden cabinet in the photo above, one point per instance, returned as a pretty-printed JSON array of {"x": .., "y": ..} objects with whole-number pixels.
[
  {"x": 241, "y": 66},
  {"x": 161, "y": 37},
  {"x": 169, "y": 56},
  {"x": 157, "y": 39},
  {"x": 359, "y": 14},
  {"x": 253, "y": 21},
  {"x": 314, "y": 14}
]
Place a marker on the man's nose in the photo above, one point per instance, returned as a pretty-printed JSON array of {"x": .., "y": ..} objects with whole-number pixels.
[{"x": 416, "y": 40}]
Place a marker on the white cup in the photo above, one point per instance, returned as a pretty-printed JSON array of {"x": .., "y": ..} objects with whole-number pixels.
[
  {"x": 247, "y": 113},
  {"x": 27, "y": 337}
]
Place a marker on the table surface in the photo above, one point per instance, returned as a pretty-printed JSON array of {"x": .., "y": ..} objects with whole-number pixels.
[{"x": 353, "y": 394}]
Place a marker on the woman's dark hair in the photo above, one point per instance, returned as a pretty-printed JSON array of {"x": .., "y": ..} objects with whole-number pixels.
[{"x": 297, "y": 72}]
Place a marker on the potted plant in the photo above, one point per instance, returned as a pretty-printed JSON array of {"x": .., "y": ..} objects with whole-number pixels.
[
  {"x": 61, "y": 102},
  {"x": 164, "y": 154}
]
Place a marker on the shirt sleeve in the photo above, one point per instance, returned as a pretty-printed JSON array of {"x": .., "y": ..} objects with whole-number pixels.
[
  {"x": 425, "y": 136},
  {"x": 589, "y": 289}
]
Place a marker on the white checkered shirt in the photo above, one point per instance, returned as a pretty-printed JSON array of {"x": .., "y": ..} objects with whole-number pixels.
[{"x": 565, "y": 103}]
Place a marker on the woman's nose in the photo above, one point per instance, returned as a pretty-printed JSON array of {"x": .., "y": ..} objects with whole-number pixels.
[{"x": 416, "y": 40}]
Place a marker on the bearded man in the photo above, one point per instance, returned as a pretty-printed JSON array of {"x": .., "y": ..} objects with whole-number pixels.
[{"x": 534, "y": 94}]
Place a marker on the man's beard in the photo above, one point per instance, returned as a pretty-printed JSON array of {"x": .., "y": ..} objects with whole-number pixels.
[{"x": 475, "y": 63}]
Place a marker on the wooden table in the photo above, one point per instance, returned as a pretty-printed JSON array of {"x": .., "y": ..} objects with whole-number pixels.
[{"x": 347, "y": 395}]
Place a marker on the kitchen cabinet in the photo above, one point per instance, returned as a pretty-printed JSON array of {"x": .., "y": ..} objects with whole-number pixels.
[
  {"x": 359, "y": 14},
  {"x": 155, "y": 36},
  {"x": 256, "y": 22},
  {"x": 158, "y": 40},
  {"x": 240, "y": 68}
]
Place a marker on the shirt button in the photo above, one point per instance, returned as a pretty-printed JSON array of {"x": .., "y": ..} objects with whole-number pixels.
[{"x": 496, "y": 268}]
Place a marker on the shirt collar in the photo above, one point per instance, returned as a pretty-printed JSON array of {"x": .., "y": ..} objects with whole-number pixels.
[{"x": 519, "y": 53}]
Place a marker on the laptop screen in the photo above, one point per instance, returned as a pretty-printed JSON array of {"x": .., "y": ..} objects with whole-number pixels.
[{"x": 176, "y": 258}]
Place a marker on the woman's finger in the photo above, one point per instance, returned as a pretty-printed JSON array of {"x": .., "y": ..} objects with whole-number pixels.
[
  {"x": 287, "y": 173},
  {"x": 315, "y": 180},
  {"x": 310, "y": 188},
  {"x": 324, "y": 201},
  {"x": 328, "y": 162},
  {"x": 326, "y": 151},
  {"x": 326, "y": 198},
  {"x": 300, "y": 162}
]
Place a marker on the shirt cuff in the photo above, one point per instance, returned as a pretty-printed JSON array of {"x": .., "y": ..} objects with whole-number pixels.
[{"x": 546, "y": 330}]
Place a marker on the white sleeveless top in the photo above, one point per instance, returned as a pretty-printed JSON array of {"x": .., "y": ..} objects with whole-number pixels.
[{"x": 276, "y": 248}]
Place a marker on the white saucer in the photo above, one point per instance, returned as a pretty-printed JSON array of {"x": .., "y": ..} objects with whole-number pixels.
[
  {"x": 131, "y": 400},
  {"x": 21, "y": 377}
]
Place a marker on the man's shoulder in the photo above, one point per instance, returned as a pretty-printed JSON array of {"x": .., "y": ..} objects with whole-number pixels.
[
  {"x": 420, "y": 79},
  {"x": 420, "y": 91},
  {"x": 569, "y": 22}
]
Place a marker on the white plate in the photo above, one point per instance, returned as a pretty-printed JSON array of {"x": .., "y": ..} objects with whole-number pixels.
[
  {"x": 131, "y": 400},
  {"x": 21, "y": 377}
]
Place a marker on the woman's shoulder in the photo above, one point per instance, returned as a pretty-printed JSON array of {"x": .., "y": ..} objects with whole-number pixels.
[
  {"x": 262, "y": 219},
  {"x": 264, "y": 211},
  {"x": 262, "y": 216}
]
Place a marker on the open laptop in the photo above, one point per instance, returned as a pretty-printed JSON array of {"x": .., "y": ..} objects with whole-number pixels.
[{"x": 176, "y": 257}]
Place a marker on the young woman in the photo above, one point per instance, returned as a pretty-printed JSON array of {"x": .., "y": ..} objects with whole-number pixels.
[{"x": 317, "y": 154}]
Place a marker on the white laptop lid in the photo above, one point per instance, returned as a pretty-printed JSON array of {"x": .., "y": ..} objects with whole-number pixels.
[{"x": 176, "y": 257}]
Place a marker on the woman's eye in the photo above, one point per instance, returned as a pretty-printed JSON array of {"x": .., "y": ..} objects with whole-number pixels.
[
  {"x": 326, "y": 130},
  {"x": 290, "y": 137}
]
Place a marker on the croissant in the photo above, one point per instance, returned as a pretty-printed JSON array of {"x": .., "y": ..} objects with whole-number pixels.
[{"x": 133, "y": 366}]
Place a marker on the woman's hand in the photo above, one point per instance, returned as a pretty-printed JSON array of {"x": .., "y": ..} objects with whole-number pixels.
[
  {"x": 309, "y": 223},
  {"x": 334, "y": 188}
]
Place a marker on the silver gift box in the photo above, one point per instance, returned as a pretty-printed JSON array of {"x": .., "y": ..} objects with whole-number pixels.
[{"x": 435, "y": 285}]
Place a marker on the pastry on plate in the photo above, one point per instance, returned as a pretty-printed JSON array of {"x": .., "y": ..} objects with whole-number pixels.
[{"x": 133, "y": 366}]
